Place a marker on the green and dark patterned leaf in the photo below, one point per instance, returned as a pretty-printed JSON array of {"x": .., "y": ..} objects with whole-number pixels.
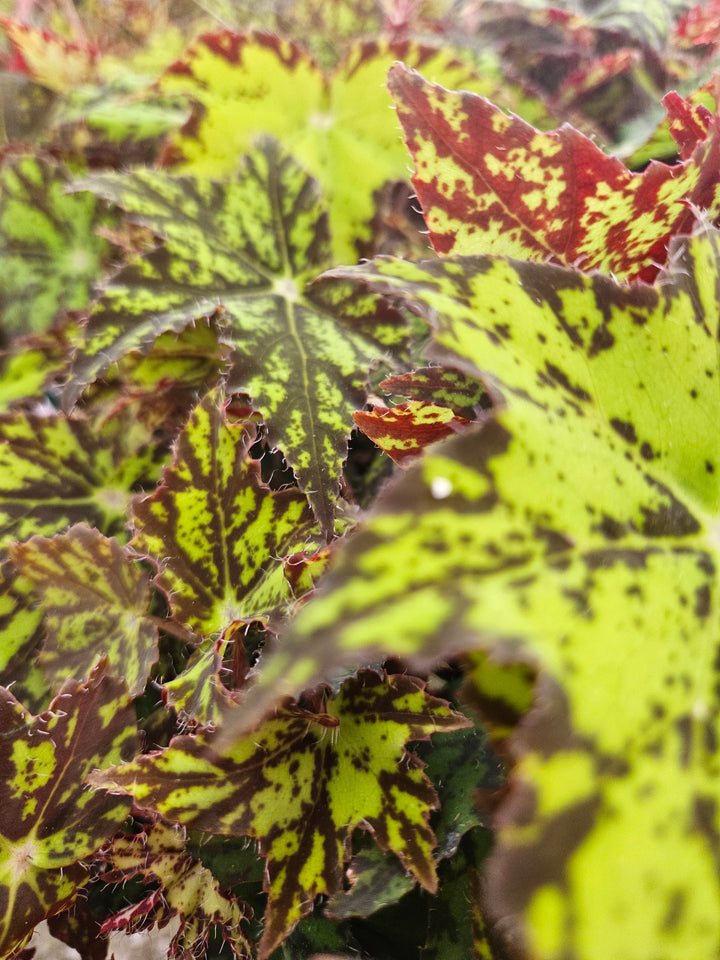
[
  {"x": 94, "y": 598},
  {"x": 55, "y": 471},
  {"x": 51, "y": 821},
  {"x": 608, "y": 557},
  {"x": 244, "y": 85},
  {"x": 21, "y": 629},
  {"x": 186, "y": 890},
  {"x": 464, "y": 395},
  {"x": 302, "y": 783},
  {"x": 51, "y": 254},
  {"x": 218, "y": 533},
  {"x": 247, "y": 248}
]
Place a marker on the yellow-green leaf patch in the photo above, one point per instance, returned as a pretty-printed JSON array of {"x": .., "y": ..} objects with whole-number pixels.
[
  {"x": 50, "y": 819},
  {"x": 218, "y": 533},
  {"x": 302, "y": 783},
  {"x": 575, "y": 534},
  {"x": 244, "y": 85},
  {"x": 94, "y": 598}
]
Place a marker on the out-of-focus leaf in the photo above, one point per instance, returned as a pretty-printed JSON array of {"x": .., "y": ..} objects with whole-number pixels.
[
  {"x": 489, "y": 183},
  {"x": 245, "y": 85},
  {"x": 55, "y": 471},
  {"x": 58, "y": 64},
  {"x": 247, "y": 248},
  {"x": 51, "y": 254},
  {"x": 376, "y": 879},
  {"x": 26, "y": 108},
  {"x": 51, "y": 821},
  {"x": 186, "y": 890},
  {"x": 94, "y": 598},
  {"x": 607, "y": 556},
  {"x": 20, "y": 624},
  {"x": 405, "y": 430},
  {"x": 30, "y": 367},
  {"x": 218, "y": 533},
  {"x": 302, "y": 783}
]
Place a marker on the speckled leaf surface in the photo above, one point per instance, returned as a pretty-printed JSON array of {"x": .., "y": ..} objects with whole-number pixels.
[
  {"x": 218, "y": 533},
  {"x": 56, "y": 471},
  {"x": 247, "y": 84},
  {"x": 94, "y": 598},
  {"x": 187, "y": 890},
  {"x": 604, "y": 566},
  {"x": 442, "y": 385},
  {"x": 51, "y": 254},
  {"x": 302, "y": 782},
  {"x": 50, "y": 820},
  {"x": 405, "y": 430},
  {"x": 247, "y": 248},
  {"x": 489, "y": 183}
]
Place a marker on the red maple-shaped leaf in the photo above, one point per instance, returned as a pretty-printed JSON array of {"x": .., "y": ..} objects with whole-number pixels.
[{"x": 491, "y": 183}]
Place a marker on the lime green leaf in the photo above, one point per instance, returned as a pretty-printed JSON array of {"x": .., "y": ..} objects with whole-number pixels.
[
  {"x": 187, "y": 890},
  {"x": 94, "y": 597},
  {"x": 51, "y": 821},
  {"x": 245, "y": 85},
  {"x": 217, "y": 532},
  {"x": 575, "y": 534},
  {"x": 55, "y": 471},
  {"x": 248, "y": 246},
  {"x": 30, "y": 367},
  {"x": 198, "y": 692},
  {"x": 489, "y": 183},
  {"x": 347, "y": 766},
  {"x": 51, "y": 254},
  {"x": 376, "y": 879}
]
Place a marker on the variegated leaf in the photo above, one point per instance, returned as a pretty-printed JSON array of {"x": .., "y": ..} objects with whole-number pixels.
[
  {"x": 490, "y": 183},
  {"x": 247, "y": 249},
  {"x": 218, "y": 533},
  {"x": 94, "y": 598},
  {"x": 51, "y": 821},
  {"x": 302, "y": 783}
]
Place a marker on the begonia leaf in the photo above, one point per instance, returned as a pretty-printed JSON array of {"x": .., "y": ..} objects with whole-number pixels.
[
  {"x": 302, "y": 782},
  {"x": 600, "y": 572},
  {"x": 51, "y": 821},
  {"x": 217, "y": 532},
  {"x": 187, "y": 890},
  {"x": 57, "y": 63},
  {"x": 247, "y": 84},
  {"x": 56, "y": 471},
  {"x": 95, "y": 599},
  {"x": 405, "y": 430},
  {"x": 51, "y": 253},
  {"x": 248, "y": 247},
  {"x": 20, "y": 623},
  {"x": 489, "y": 183},
  {"x": 447, "y": 387},
  {"x": 26, "y": 108}
]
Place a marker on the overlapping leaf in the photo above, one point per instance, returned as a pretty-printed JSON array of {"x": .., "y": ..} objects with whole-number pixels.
[
  {"x": 55, "y": 471},
  {"x": 20, "y": 624},
  {"x": 51, "y": 821},
  {"x": 219, "y": 534},
  {"x": 187, "y": 890},
  {"x": 489, "y": 183},
  {"x": 51, "y": 253},
  {"x": 575, "y": 533},
  {"x": 249, "y": 247},
  {"x": 405, "y": 430},
  {"x": 302, "y": 783},
  {"x": 447, "y": 387},
  {"x": 94, "y": 598},
  {"x": 249, "y": 84}
]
